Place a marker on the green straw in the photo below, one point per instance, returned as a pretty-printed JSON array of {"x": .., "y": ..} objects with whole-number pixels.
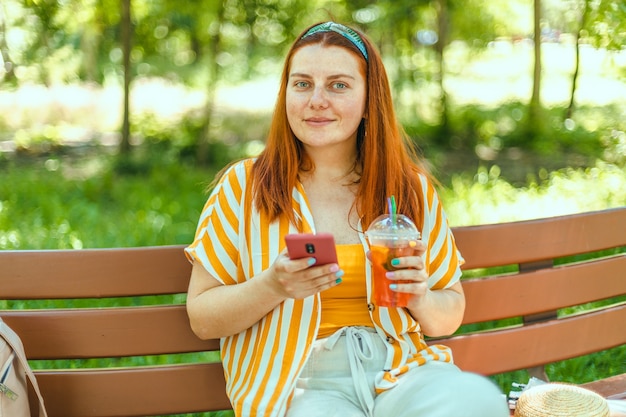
[{"x": 391, "y": 205}]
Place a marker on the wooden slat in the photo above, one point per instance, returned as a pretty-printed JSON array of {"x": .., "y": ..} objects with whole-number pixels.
[
  {"x": 93, "y": 272},
  {"x": 613, "y": 387},
  {"x": 523, "y": 347},
  {"x": 92, "y": 333},
  {"x": 134, "y": 392},
  {"x": 535, "y": 292},
  {"x": 534, "y": 240}
]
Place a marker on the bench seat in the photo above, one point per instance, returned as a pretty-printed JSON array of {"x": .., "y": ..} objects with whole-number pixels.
[{"x": 107, "y": 332}]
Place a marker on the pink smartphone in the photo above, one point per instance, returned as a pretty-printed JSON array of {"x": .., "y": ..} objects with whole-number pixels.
[{"x": 321, "y": 246}]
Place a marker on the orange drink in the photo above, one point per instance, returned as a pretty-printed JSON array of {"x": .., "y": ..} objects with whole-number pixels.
[
  {"x": 381, "y": 261},
  {"x": 390, "y": 236}
]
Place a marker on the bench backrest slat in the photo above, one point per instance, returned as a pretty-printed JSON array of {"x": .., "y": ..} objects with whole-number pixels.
[
  {"x": 539, "y": 291},
  {"x": 150, "y": 391},
  {"x": 93, "y": 273},
  {"x": 534, "y": 240},
  {"x": 522, "y": 347},
  {"x": 109, "y": 332}
]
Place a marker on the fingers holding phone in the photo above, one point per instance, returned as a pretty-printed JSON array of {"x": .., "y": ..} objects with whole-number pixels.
[{"x": 317, "y": 256}]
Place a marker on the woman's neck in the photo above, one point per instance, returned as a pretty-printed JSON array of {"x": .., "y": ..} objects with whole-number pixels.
[{"x": 333, "y": 163}]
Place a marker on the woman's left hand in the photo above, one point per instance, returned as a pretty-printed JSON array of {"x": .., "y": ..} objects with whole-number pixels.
[
  {"x": 439, "y": 312},
  {"x": 411, "y": 275}
]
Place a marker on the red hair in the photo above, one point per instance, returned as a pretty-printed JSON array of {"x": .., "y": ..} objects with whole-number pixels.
[{"x": 387, "y": 160}]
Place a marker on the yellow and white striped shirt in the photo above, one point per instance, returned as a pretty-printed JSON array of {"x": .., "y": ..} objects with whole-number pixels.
[{"x": 235, "y": 242}]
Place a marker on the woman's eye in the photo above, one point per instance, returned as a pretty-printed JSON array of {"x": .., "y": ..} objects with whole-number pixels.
[
  {"x": 302, "y": 84},
  {"x": 340, "y": 86}
]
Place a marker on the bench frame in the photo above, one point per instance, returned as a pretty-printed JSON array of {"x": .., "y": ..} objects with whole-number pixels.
[{"x": 536, "y": 294}]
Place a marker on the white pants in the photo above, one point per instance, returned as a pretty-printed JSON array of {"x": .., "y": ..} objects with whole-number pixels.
[{"x": 338, "y": 380}]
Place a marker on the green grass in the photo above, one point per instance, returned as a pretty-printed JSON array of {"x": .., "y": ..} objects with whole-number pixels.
[
  {"x": 59, "y": 202},
  {"x": 484, "y": 197},
  {"x": 54, "y": 204}
]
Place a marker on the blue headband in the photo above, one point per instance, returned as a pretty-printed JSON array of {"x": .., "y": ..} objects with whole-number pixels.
[{"x": 344, "y": 31}]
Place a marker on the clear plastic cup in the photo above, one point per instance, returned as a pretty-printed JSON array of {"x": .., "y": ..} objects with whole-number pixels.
[{"x": 390, "y": 236}]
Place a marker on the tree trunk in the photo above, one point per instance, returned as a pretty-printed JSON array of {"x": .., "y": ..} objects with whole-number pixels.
[
  {"x": 9, "y": 70},
  {"x": 534, "y": 115},
  {"x": 90, "y": 48},
  {"x": 442, "y": 23},
  {"x": 126, "y": 46},
  {"x": 214, "y": 76},
  {"x": 583, "y": 23}
]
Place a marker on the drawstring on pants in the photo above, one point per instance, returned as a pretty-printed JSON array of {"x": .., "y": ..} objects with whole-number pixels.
[{"x": 359, "y": 347}]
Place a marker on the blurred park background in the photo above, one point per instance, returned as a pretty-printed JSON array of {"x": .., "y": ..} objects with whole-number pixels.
[{"x": 116, "y": 114}]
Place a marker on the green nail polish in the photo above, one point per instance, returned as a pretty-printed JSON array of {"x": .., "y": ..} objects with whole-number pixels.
[
  {"x": 395, "y": 262},
  {"x": 338, "y": 281},
  {"x": 393, "y": 286}
]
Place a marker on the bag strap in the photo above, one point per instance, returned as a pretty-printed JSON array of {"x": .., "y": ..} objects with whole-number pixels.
[{"x": 16, "y": 344}]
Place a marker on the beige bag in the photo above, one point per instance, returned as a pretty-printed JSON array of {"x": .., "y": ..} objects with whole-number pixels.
[{"x": 13, "y": 377}]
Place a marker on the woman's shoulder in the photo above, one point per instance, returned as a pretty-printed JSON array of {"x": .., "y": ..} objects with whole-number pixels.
[
  {"x": 425, "y": 181},
  {"x": 239, "y": 168},
  {"x": 234, "y": 175},
  {"x": 242, "y": 164}
]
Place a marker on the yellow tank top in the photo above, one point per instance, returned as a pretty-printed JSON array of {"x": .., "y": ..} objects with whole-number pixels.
[{"x": 346, "y": 304}]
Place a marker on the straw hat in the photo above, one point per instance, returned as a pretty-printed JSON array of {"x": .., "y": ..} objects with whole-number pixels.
[{"x": 558, "y": 399}]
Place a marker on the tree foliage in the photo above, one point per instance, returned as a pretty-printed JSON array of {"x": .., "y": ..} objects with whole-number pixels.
[{"x": 206, "y": 43}]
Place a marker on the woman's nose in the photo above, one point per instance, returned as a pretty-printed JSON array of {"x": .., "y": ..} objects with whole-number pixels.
[{"x": 319, "y": 98}]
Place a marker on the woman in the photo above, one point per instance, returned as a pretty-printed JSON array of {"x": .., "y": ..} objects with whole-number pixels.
[{"x": 303, "y": 340}]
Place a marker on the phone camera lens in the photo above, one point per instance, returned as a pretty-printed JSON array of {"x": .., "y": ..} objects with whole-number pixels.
[{"x": 310, "y": 248}]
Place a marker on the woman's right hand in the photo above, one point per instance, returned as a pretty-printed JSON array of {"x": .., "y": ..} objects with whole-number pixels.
[
  {"x": 217, "y": 310},
  {"x": 298, "y": 278}
]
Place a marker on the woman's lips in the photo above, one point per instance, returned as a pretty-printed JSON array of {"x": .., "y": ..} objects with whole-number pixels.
[{"x": 318, "y": 121}]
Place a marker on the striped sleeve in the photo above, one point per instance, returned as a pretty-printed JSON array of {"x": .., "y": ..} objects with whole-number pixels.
[
  {"x": 235, "y": 243},
  {"x": 215, "y": 245},
  {"x": 443, "y": 259}
]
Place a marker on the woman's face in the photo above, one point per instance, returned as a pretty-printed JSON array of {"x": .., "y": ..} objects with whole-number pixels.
[{"x": 325, "y": 98}]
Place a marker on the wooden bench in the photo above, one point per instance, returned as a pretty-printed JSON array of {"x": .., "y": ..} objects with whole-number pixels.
[{"x": 81, "y": 351}]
